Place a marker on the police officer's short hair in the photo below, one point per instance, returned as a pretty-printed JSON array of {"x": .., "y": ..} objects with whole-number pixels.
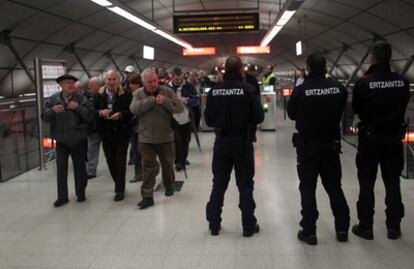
[
  {"x": 270, "y": 66},
  {"x": 316, "y": 62},
  {"x": 177, "y": 71},
  {"x": 381, "y": 51},
  {"x": 234, "y": 64}
]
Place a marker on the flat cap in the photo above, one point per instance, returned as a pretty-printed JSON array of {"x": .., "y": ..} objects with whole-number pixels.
[{"x": 66, "y": 77}]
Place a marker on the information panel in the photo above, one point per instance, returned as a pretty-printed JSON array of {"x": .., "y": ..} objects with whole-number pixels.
[
  {"x": 216, "y": 23},
  {"x": 46, "y": 72}
]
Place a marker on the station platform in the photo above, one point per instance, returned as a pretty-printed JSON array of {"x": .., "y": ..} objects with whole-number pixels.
[{"x": 101, "y": 233}]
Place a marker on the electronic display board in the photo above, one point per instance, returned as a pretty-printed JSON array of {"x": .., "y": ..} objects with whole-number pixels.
[{"x": 216, "y": 23}]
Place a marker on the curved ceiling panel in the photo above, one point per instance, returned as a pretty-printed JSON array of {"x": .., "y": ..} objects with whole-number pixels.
[
  {"x": 12, "y": 14},
  {"x": 333, "y": 8},
  {"x": 93, "y": 39},
  {"x": 395, "y": 12},
  {"x": 69, "y": 34},
  {"x": 6, "y": 59},
  {"x": 100, "y": 19},
  {"x": 39, "y": 26}
]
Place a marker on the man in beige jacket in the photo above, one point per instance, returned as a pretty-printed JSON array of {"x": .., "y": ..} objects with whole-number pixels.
[{"x": 154, "y": 105}]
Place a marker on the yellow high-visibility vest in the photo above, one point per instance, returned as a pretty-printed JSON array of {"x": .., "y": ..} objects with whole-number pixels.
[{"x": 266, "y": 80}]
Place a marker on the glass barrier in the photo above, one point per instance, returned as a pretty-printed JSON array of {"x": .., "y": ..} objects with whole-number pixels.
[
  {"x": 408, "y": 171},
  {"x": 18, "y": 140}
]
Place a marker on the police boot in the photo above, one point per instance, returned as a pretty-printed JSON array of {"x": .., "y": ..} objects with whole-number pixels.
[
  {"x": 60, "y": 201},
  {"x": 308, "y": 239},
  {"x": 363, "y": 233},
  {"x": 341, "y": 236},
  {"x": 214, "y": 231},
  {"x": 394, "y": 234}
]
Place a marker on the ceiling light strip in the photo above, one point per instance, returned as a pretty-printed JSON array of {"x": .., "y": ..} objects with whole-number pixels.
[
  {"x": 287, "y": 11},
  {"x": 103, "y": 3},
  {"x": 147, "y": 25}
]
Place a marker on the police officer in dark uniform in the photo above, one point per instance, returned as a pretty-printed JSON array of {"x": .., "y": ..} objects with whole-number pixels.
[
  {"x": 233, "y": 110},
  {"x": 317, "y": 107},
  {"x": 380, "y": 99}
]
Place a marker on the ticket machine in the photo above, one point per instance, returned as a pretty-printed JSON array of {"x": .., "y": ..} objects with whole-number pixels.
[{"x": 268, "y": 97}]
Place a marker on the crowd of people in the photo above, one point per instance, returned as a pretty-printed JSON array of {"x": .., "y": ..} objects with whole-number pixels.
[
  {"x": 152, "y": 113},
  {"x": 156, "y": 112}
]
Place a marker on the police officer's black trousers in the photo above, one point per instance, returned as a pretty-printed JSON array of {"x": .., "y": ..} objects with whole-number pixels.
[
  {"x": 328, "y": 166},
  {"x": 232, "y": 152},
  {"x": 182, "y": 143},
  {"x": 78, "y": 154},
  {"x": 388, "y": 154}
]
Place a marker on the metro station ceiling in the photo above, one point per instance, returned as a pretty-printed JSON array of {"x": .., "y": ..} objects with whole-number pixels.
[{"x": 43, "y": 28}]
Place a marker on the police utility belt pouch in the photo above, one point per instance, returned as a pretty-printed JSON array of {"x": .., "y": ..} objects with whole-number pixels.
[
  {"x": 297, "y": 140},
  {"x": 336, "y": 146},
  {"x": 230, "y": 133}
]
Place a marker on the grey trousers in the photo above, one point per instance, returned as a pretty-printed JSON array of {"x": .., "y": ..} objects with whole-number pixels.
[{"x": 94, "y": 143}]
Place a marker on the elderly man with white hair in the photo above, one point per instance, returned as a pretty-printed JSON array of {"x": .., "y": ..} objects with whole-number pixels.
[
  {"x": 114, "y": 127},
  {"x": 94, "y": 141},
  {"x": 155, "y": 105}
]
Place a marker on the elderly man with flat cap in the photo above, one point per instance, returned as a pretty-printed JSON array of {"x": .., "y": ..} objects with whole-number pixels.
[{"x": 69, "y": 114}]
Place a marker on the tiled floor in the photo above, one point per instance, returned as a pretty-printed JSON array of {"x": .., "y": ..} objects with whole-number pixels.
[{"x": 103, "y": 234}]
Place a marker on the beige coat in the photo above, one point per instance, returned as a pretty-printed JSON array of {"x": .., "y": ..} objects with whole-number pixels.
[{"x": 154, "y": 120}]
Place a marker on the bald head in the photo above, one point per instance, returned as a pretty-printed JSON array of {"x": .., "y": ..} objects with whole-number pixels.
[
  {"x": 93, "y": 85},
  {"x": 112, "y": 80},
  {"x": 234, "y": 65},
  {"x": 77, "y": 87}
]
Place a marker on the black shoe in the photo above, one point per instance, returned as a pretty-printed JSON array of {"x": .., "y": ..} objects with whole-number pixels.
[
  {"x": 178, "y": 167},
  {"x": 90, "y": 176},
  {"x": 187, "y": 162},
  {"x": 214, "y": 231},
  {"x": 81, "y": 198},
  {"x": 59, "y": 202},
  {"x": 145, "y": 202},
  {"x": 394, "y": 234},
  {"x": 249, "y": 233},
  {"x": 308, "y": 239},
  {"x": 131, "y": 162},
  {"x": 366, "y": 234},
  {"x": 169, "y": 192},
  {"x": 119, "y": 196},
  {"x": 136, "y": 179},
  {"x": 342, "y": 236}
]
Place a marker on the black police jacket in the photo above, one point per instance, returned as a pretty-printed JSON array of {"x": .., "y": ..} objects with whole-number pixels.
[
  {"x": 380, "y": 98},
  {"x": 317, "y": 107},
  {"x": 232, "y": 106},
  {"x": 114, "y": 129}
]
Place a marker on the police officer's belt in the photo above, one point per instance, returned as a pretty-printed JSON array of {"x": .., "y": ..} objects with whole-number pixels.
[
  {"x": 367, "y": 129},
  {"x": 230, "y": 133}
]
